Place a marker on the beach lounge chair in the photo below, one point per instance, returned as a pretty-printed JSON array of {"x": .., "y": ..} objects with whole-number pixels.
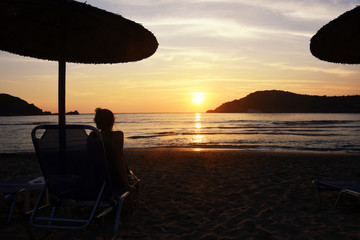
[
  {"x": 343, "y": 187},
  {"x": 76, "y": 174},
  {"x": 11, "y": 189}
]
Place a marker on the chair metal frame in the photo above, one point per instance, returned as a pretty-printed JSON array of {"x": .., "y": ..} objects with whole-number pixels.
[
  {"x": 12, "y": 189},
  {"x": 344, "y": 187},
  {"x": 96, "y": 215}
]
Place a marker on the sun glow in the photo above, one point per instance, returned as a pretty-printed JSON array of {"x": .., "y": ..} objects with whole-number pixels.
[{"x": 198, "y": 98}]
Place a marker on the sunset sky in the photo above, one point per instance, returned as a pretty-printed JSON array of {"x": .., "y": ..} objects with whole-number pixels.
[{"x": 210, "y": 52}]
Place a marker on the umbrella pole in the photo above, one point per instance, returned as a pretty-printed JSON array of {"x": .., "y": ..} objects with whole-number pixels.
[
  {"x": 61, "y": 105},
  {"x": 61, "y": 100}
]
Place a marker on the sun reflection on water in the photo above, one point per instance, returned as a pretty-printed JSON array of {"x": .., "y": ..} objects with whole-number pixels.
[
  {"x": 197, "y": 117},
  {"x": 197, "y": 137}
]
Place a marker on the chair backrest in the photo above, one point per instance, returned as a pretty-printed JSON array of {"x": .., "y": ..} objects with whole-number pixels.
[{"x": 73, "y": 162}]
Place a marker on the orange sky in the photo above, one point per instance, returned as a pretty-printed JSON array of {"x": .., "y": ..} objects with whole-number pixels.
[{"x": 219, "y": 50}]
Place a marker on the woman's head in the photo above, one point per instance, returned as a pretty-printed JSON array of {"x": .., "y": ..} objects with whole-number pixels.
[{"x": 104, "y": 119}]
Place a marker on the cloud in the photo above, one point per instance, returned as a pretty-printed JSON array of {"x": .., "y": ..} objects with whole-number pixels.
[
  {"x": 333, "y": 70},
  {"x": 224, "y": 46},
  {"x": 194, "y": 23}
]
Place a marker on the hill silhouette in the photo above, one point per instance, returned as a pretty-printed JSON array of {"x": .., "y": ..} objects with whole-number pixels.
[
  {"x": 276, "y": 101},
  {"x": 14, "y": 106}
]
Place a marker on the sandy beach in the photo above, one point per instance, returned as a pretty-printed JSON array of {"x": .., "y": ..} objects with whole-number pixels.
[{"x": 222, "y": 194}]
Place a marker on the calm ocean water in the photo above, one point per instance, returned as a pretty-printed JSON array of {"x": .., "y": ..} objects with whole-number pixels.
[{"x": 280, "y": 132}]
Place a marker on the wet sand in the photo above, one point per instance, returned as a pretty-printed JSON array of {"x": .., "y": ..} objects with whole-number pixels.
[{"x": 222, "y": 194}]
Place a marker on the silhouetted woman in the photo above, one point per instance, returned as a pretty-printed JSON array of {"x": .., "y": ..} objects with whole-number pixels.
[{"x": 120, "y": 175}]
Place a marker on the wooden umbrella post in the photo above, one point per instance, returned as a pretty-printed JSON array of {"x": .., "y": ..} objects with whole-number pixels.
[
  {"x": 62, "y": 91},
  {"x": 62, "y": 111}
]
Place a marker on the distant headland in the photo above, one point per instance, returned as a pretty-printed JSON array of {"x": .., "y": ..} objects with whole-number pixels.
[
  {"x": 276, "y": 101},
  {"x": 14, "y": 106}
]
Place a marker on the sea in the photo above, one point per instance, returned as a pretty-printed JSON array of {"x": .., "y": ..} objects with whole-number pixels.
[{"x": 257, "y": 131}]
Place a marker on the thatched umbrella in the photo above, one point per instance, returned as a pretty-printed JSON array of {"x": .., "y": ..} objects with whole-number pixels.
[
  {"x": 339, "y": 40},
  {"x": 70, "y": 31}
]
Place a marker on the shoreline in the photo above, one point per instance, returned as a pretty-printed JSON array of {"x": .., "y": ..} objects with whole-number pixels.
[
  {"x": 229, "y": 194},
  {"x": 213, "y": 148}
]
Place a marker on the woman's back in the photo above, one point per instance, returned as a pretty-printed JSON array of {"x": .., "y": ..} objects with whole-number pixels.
[
  {"x": 114, "y": 144},
  {"x": 114, "y": 148}
]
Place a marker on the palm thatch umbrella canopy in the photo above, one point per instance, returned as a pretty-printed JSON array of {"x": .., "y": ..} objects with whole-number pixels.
[
  {"x": 70, "y": 31},
  {"x": 339, "y": 40}
]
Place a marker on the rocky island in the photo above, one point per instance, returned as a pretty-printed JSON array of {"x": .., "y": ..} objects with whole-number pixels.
[{"x": 276, "y": 101}]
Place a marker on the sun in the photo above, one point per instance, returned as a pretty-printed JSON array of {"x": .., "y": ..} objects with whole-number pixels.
[{"x": 198, "y": 98}]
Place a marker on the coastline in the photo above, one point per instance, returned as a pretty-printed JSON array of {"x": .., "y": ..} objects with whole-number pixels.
[{"x": 229, "y": 194}]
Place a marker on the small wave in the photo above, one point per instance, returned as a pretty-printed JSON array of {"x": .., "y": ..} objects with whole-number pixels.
[
  {"x": 277, "y": 148},
  {"x": 255, "y": 132},
  {"x": 166, "y": 133},
  {"x": 160, "y": 134},
  {"x": 138, "y": 137},
  {"x": 315, "y": 122},
  {"x": 250, "y": 146},
  {"x": 25, "y": 123}
]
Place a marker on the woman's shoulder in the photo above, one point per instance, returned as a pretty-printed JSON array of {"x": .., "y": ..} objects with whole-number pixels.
[
  {"x": 117, "y": 133},
  {"x": 117, "y": 136}
]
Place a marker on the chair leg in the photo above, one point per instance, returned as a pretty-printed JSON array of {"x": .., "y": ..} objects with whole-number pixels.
[
  {"x": 338, "y": 198},
  {"x": 12, "y": 206},
  {"x": 118, "y": 214},
  {"x": 138, "y": 194},
  {"x": 117, "y": 219},
  {"x": 317, "y": 191},
  {"x": 52, "y": 213},
  {"x": 37, "y": 205}
]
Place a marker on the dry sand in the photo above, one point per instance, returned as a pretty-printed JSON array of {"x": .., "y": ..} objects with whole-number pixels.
[{"x": 222, "y": 194}]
